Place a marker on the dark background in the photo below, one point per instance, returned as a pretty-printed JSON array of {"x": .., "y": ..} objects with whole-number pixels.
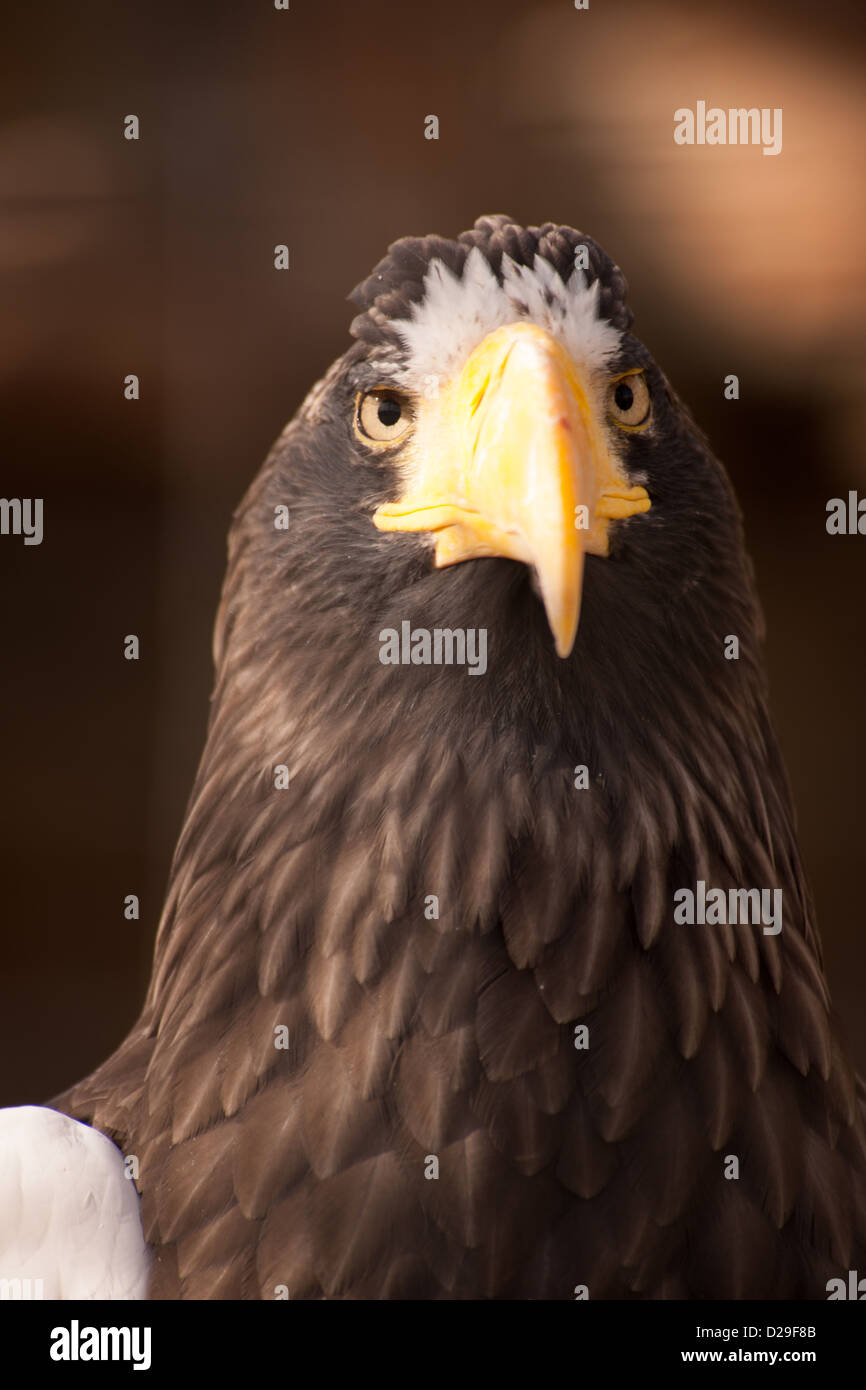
[{"x": 306, "y": 127}]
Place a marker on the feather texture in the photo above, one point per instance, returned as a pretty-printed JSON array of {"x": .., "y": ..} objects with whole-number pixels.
[{"x": 424, "y": 1024}]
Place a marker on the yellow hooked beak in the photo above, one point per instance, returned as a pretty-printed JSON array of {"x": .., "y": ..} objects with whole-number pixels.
[{"x": 509, "y": 460}]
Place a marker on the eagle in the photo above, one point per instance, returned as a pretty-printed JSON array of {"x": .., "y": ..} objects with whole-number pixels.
[{"x": 427, "y": 1017}]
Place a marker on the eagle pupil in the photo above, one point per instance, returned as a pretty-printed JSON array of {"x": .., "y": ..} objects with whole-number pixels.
[
  {"x": 389, "y": 413},
  {"x": 624, "y": 396}
]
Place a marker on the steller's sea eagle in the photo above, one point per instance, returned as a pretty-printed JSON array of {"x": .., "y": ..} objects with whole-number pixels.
[{"x": 488, "y": 968}]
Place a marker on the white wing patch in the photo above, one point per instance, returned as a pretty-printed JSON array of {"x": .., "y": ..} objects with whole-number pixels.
[
  {"x": 69, "y": 1217},
  {"x": 457, "y": 312}
]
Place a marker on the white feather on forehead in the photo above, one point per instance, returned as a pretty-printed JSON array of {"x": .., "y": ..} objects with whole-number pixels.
[{"x": 457, "y": 312}]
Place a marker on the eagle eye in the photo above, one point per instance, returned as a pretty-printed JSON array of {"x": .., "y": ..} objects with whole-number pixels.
[
  {"x": 629, "y": 404},
  {"x": 383, "y": 416}
]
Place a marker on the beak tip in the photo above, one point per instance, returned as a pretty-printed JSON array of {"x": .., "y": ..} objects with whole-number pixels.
[
  {"x": 562, "y": 605},
  {"x": 563, "y": 627}
]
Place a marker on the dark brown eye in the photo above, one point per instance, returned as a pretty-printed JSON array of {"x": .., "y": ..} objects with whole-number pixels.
[
  {"x": 383, "y": 416},
  {"x": 629, "y": 402}
]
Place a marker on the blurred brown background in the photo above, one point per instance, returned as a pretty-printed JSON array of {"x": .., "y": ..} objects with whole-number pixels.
[{"x": 306, "y": 127}]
